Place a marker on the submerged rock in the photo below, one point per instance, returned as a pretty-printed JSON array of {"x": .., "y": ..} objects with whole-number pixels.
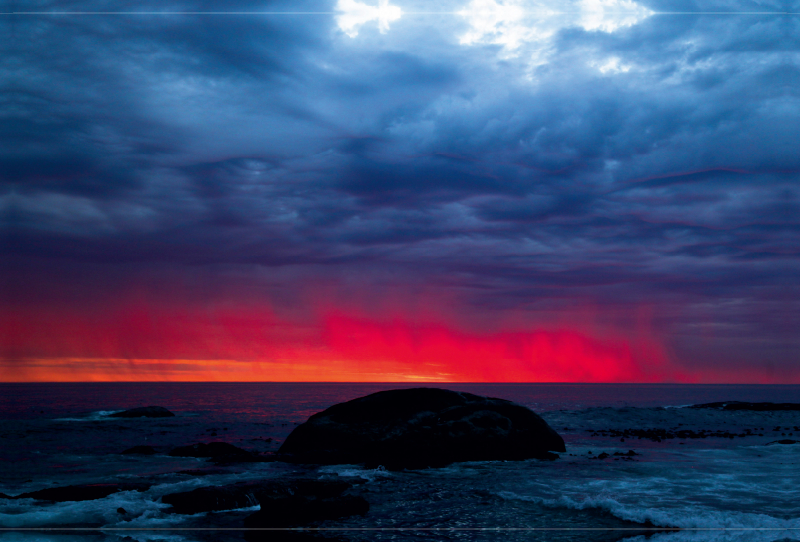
[
  {"x": 421, "y": 427},
  {"x": 84, "y": 492},
  {"x": 744, "y": 405},
  {"x": 784, "y": 441},
  {"x": 219, "y": 452},
  {"x": 144, "y": 412}
]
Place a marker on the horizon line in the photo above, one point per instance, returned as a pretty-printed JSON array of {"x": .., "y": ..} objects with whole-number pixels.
[{"x": 421, "y": 384}]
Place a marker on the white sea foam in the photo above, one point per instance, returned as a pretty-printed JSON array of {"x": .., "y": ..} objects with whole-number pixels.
[
  {"x": 32, "y": 513},
  {"x": 752, "y": 487},
  {"x": 95, "y": 416},
  {"x": 686, "y": 518},
  {"x": 142, "y": 509},
  {"x": 358, "y": 472}
]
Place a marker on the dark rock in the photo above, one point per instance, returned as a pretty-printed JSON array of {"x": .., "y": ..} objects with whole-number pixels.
[
  {"x": 657, "y": 435},
  {"x": 421, "y": 427},
  {"x": 85, "y": 492},
  {"x": 144, "y": 412},
  {"x": 784, "y": 441},
  {"x": 743, "y": 405},
  {"x": 121, "y": 510},
  {"x": 206, "y": 499},
  {"x": 320, "y": 489},
  {"x": 140, "y": 450},
  {"x": 220, "y": 452},
  {"x": 298, "y": 511}
]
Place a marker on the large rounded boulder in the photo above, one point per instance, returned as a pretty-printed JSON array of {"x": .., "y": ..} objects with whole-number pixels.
[{"x": 421, "y": 427}]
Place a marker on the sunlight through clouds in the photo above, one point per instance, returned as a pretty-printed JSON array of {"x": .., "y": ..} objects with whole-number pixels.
[
  {"x": 209, "y": 185},
  {"x": 514, "y": 24},
  {"x": 611, "y": 65},
  {"x": 496, "y": 23},
  {"x": 355, "y": 14},
  {"x": 611, "y": 15}
]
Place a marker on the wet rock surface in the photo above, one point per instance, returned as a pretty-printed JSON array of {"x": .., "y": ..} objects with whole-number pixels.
[
  {"x": 657, "y": 435},
  {"x": 421, "y": 427},
  {"x": 144, "y": 412},
  {"x": 85, "y": 492},
  {"x": 617, "y": 456},
  {"x": 219, "y": 452}
]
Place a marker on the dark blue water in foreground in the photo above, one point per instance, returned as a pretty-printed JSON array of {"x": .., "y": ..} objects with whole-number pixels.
[{"x": 737, "y": 488}]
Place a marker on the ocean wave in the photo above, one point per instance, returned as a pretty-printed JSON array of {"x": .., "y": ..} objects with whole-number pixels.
[
  {"x": 356, "y": 471},
  {"x": 141, "y": 508},
  {"x": 30, "y": 513},
  {"x": 684, "y": 518},
  {"x": 96, "y": 416}
]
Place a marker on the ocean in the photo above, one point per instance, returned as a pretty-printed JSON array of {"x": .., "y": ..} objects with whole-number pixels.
[{"x": 709, "y": 474}]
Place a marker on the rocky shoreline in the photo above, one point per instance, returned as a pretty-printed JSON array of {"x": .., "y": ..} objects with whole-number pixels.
[
  {"x": 415, "y": 429},
  {"x": 400, "y": 429}
]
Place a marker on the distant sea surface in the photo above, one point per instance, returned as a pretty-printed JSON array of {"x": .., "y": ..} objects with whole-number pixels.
[{"x": 717, "y": 475}]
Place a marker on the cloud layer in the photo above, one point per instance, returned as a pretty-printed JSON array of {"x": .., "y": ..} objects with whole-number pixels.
[{"x": 520, "y": 159}]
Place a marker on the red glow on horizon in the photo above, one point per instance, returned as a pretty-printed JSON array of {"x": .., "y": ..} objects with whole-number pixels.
[
  {"x": 251, "y": 343},
  {"x": 561, "y": 355}
]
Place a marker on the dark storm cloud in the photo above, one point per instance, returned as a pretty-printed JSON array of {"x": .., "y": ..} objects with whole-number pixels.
[
  {"x": 393, "y": 184},
  {"x": 654, "y": 159},
  {"x": 535, "y": 209},
  {"x": 85, "y": 88}
]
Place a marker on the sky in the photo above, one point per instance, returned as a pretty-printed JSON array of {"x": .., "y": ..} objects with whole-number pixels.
[{"x": 401, "y": 190}]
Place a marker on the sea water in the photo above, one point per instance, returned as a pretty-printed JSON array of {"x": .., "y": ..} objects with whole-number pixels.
[{"x": 728, "y": 479}]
